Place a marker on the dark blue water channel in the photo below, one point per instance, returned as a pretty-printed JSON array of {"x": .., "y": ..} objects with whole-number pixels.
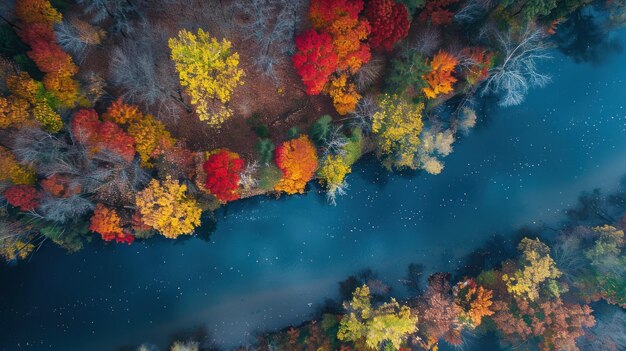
[{"x": 271, "y": 263}]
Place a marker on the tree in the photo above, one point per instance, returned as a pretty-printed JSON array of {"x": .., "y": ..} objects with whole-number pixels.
[
  {"x": 344, "y": 94},
  {"x": 315, "y": 59},
  {"x": 37, "y": 11},
  {"x": 107, "y": 223},
  {"x": 24, "y": 197},
  {"x": 439, "y": 313},
  {"x": 397, "y": 126},
  {"x": 150, "y": 137},
  {"x": 88, "y": 129},
  {"x": 372, "y": 326},
  {"x": 438, "y": 11},
  {"x": 76, "y": 37},
  {"x": 14, "y": 112},
  {"x": 407, "y": 74},
  {"x": 435, "y": 145},
  {"x": 516, "y": 72},
  {"x": 474, "y": 301},
  {"x": 476, "y": 63},
  {"x": 47, "y": 117},
  {"x": 389, "y": 21},
  {"x": 222, "y": 169},
  {"x": 297, "y": 159},
  {"x": 11, "y": 170},
  {"x": 341, "y": 20},
  {"x": 165, "y": 206},
  {"x": 530, "y": 9},
  {"x": 208, "y": 70},
  {"x": 122, "y": 113},
  {"x": 439, "y": 78},
  {"x": 535, "y": 267},
  {"x": 332, "y": 174}
]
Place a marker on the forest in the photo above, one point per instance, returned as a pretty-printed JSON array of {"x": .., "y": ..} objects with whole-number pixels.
[{"x": 120, "y": 122}]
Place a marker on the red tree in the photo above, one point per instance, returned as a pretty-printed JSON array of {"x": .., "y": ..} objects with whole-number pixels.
[
  {"x": 222, "y": 169},
  {"x": 88, "y": 129},
  {"x": 24, "y": 197},
  {"x": 389, "y": 21},
  {"x": 315, "y": 60},
  {"x": 437, "y": 11},
  {"x": 107, "y": 223}
]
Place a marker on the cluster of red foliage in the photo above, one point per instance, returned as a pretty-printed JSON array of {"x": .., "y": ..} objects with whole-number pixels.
[
  {"x": 389, "y": 21},
  {"x": 24, "y": 197},
  {"x": 315, "y": 59},
  {"x": 89, "y": 130},
  {"x": 107, "y": 223},
  {"x": 437, "y": 11},
  {"x": 38, "y": 19},
  {"x": 222, "y": 169},
  {"x": 337, "y": 42},
  {"x": 480, "y": 60}
]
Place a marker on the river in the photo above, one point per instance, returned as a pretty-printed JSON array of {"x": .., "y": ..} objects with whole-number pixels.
[{"x": 271, "y": 263}]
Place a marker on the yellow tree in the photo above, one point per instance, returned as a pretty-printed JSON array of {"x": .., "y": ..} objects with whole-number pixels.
[
  {"x": 166, "y": 207},
  {"x": 11, "y": 170},
  {"x": 209, "y": 71},
  {"x": 364, "y": 324},
  {"x": 535, "y": 267},
  {"x": 344, "y": 94},
  {"x": 397, "y": 126}
]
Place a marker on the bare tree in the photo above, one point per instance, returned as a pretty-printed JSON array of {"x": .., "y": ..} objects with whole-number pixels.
[
  {"x": 369, "y": 73},
  {"x": 517, "y": 73},
  {"x": 365, "y": 110},
  {"x": 336, "y": 190},
  {"x": 335, "y": 143},
  {"x": 123, "y": 13},
  {"x": 472, "y": 10},
  {"x": 76, "y": 37},
  {"x": 272, "y": 26},
  {"x": 426, "y": 41},
  {"x": 144, "y": 71}
]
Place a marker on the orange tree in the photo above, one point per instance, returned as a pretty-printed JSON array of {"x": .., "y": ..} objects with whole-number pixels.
[
  {"x": 297, "y": 159},
  {"x": 106, "y": 222},
  {"x": 440, "y": 79}
]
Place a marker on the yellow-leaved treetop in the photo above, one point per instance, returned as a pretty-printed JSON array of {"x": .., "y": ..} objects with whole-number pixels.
[
  {"x": 209, "y": 71},
  {"x": 166, "y": 207},
  {"x": 397, "y": 126},
  {"x": 369, "y": 327},
  {"x": 536, "y": 267},
  {"x": 333, "y": 171}
]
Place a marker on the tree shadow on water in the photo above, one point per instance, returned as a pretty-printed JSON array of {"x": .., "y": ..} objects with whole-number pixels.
[{"x": 585, "y": 39}]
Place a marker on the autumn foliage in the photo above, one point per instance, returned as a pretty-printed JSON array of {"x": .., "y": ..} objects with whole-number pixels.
[
  {"x": 38, "y": 18},
  {"x": 13, "y": 171},
  {"x": 24, "y": 197},
  {"x": 389, "y": 21},
  {"x": 344, "y": 94},
  {"x": 315, "y": 59},
  {"x": 440, "y": 78},
  {"x": 166, "y": 207},
  {"x": 107, "y": 223},
  {"x": 297, "y": 159},
  {"x": 479, "y": 61},
  {"x": 438, "y": 11},
  {"x": 122, "y": 113},
  {"x": 222, "y": 169},
  {"x": 89, "y": 130}
]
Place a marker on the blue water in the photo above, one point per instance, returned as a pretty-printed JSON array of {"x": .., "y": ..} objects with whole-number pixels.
[{"x": 271, "y": 263}]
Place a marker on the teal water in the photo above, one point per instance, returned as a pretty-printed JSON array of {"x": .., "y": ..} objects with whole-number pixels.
[{"x": 271, "y": 263}]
